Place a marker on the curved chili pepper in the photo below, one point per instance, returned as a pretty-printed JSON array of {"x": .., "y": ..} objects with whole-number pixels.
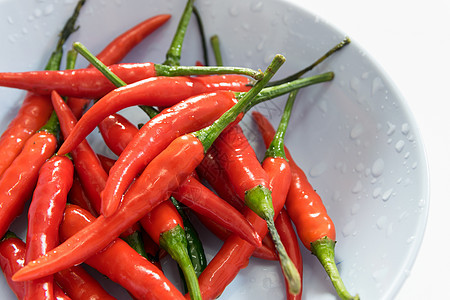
[
  {"x": 235, "y": 252},
  {"x": 35, "y": 109},
  {"x": 165, "y": 227},
  {"x": 44, "y": 216},
  {"x": 143, "y": 280},
  {"x": 89, "y": 169},
  {"x": 263, "y": 252},
  {"x": 80, "y": 285},
  {"x": 211, "y": 171},
  {"x": 305, "y": 207},
  {"x": 251, "y": 183},
  {"x": 90, "y": 82},
  {"x": 12, "y": 259},
  {"x": 32, "y": 115},
  {"x": 117, "y": 49},
  {"x": 161, "y": 177},
  {"x": 171, "y": 123},
  {"x": 202, "y": 200},
  {"x": 18, "y": 181}
]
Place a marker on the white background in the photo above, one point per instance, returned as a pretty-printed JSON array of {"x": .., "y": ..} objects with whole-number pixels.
[{"x": 411, "y": 42}]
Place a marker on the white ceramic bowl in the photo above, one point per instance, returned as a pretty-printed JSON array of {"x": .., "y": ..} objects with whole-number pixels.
[{"x": 354, "y": 137}]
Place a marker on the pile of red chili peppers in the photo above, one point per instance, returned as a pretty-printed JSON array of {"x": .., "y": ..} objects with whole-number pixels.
[{"x": 120, "y": 215}]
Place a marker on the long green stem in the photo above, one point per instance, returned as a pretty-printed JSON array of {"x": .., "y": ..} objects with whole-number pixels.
[
  {"x": 215, "y": 43},
  {"x": 276, "y": 147},
  {"x": 324, "y": 250},
  {"x": 201, "y": 30},
  {"x": 165, "y": 70},
  {"x": 299, "y": 74},
  {"x": 55, "y": 58},
  {"x": 174, "y": 242},
  {"x": 173, "y": 55},
  {"x": 209, "y": 134},
  {"x": 269, "y": 93}
]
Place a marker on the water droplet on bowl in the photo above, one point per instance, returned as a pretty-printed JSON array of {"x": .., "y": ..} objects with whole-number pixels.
[
  {"x": 377, "y": 85},
  {"x": 257, "y": 6},
  {"x": 349, "y": 228},
  {"x": 391, "y": 128},
  {"x": 387, "y": 194},
  {"x": 377, "y": 167},
  {"x": 399, "y": 146},
  {"x": 318, "y": 169},
  {"x": 358, "y": 187},
  {"x": 356, "y": 131}
]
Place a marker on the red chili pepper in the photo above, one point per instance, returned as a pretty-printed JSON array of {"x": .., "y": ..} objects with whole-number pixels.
[
  {"x": 12, "y": 259},
  {"x": 19, "y": 180},
  {"x": 171, "y": 123},
  {"x": 32, "y": 115},
  {"x": 159, "y": 179},
  {"x": 143, "y": 280},
  {"x": 165, "y": 227},
  {"x": 305, "y": 207},
  {"x": 117, "y": 132},
  {"x": 78, "y": 196},
  {"x": 199, "y": 198},
  {"x": 91, "y": 83},
  {"x": 89, "y": 169},
  {"x": 44, "y": 216},
  {"x": 80, "y": 285},
  {"x": 187, "y": 116},
  {"x": 235, "y": 252},
  {"x": 211, "y": 171},
  {"x": 106, "y": 162},
  {"x": 251, "y": 183},
  {"x": 289, "y": 238},
  {"x": 117, "y": 49},
  {"x": 264, "y": 252},
  {"x": 124, "y": 43}
]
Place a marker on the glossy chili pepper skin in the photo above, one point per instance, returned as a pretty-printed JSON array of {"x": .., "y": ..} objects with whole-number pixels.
[
  {"x": 44, "y": 216},
  {"x": 158, "y": 180},
  {"x": 19, "y": 180},
  {"x": 187, "y": 116},
  {"x": 211, "y": 171},
  {"x": 32, "y": 115},
  {"x": 79, "y": 284},
  {"x": 115, "y": 51},
  {"x": 303, "y": 204},
  {"x": 90, "y": 83},
  {"x": 117, "y": 132},
  {"x": 235, "y": 252},
  {"x": 78, "y": 196},
  {"x": 107, "y": 162},
  {"x": 12, "y": 259},
  {"x": 199, "y": 198},
  {"x": 263, "y": 252},
  {"x": 120, "y": 262},
  {"x": 89, "y": 169}
]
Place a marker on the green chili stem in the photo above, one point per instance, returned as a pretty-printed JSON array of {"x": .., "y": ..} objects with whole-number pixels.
[
  {"x": 135, "y": 241},
  {"x": 276, "y": 147},
  {"x": 290, "y": 271},
  {"x": 201, "y": 29},
  {"x": 337, "y": 47},
  {"x": 324, "y": 250},
  {"x": 259, "y": 200},
  {"x": 173, "y": 55},
  {"x": 215, "y": 44},
  {"x": 149, "y": 110},
  {"x": 166, "y": 70},
  {"x": 80, "y": 48},
  {"x": 55, "y": 58},
  {"x": 209, "y": 134},
  {"x": 174, "y": 242},
  {"x": 194, "y": 244},
  {"x": 269, "y": 93},
  {"x": 71, "y": 59}
]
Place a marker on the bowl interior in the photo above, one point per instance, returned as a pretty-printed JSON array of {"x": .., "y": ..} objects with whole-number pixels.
[{"x": 355, "y": 136}]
